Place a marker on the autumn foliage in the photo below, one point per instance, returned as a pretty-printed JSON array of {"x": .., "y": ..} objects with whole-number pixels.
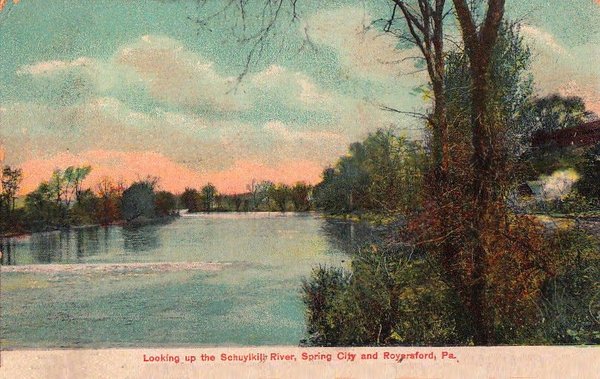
[{"x": 516, "y": 263}]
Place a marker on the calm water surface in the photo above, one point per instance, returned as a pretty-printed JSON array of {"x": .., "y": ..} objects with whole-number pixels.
[{"x": 252, "y": 298}]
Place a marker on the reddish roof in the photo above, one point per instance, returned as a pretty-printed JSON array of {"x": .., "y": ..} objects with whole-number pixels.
[{"x": 582, "y": 135}]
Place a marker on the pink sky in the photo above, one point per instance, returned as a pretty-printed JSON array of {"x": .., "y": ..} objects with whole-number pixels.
[{"x": 174, "y": 177}]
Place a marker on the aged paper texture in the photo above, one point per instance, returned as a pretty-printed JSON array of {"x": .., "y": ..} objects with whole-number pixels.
[{"x": 299, "y": 188}]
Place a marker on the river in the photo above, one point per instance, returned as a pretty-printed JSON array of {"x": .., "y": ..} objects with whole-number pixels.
[{"x": 229, "y": 279}]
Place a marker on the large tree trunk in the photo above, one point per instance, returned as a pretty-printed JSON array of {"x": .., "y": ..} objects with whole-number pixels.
[
  {"x": 482, "y": 196},
  {"x": 479, "y": 45}
]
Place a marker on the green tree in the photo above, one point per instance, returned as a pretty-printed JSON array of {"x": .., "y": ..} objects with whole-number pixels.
[
  {"x": 485, "y": 134},
  {"x": 190, "y": 199},
  {"x": 41, "y": 209},
  {"x": 138, "y": 201},
  {"x": 395, "y": 167},
  {"x": 74, "y": 177},
  {"x": 344, "y": 188},
  {"x": 85, "y": 209},
  {"x": 208, "y": 194},
  {"x": 11, "y": 182},
  {"x": 300, "y": 196},
  {"x": 555, "y": 112},
  {"x": 237, "y": 202},
  {"x": 280, "y": 193},
  {"x": 383, "y": 173},
  {"x": 265, "y": 188},
  {"x": 589, "y": 183},
  {"x": 386, "y": 300}
]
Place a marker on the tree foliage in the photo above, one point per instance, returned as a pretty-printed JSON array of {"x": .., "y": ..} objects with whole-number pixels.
[
  {"x": 165, "y": 203},
  {"x": 300, "y": 196},
  {"x": 555, "y": 112},
  {"x": 383, "y": 173},
  {"x": 589, "y": 183},
  {"x": 138, "y": 201},
  {"x": 190, "y": 199},
  {"x": 108, "y": 208},
  {"x": 10, "y": 182},
  {"x": 280, "y": 194},
  {"x": 387, "y": 299},
  {"x": 208, "y": 194}
]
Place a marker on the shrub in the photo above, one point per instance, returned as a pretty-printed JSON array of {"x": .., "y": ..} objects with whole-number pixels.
[
  {"x": 570, "y": 301},
  {"x": 387, "y": 299}
]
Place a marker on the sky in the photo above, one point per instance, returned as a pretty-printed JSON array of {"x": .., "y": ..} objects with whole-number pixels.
[{"x": 145, "y": 87}]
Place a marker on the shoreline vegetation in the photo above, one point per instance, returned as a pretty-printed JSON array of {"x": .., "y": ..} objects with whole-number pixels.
[
  {"x": 380, "y": 181},
  {"x": 468, "y": 260},
  {"x": 395, "y": 291}
]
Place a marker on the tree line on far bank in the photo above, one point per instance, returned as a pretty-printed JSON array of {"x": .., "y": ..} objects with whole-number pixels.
[
  {"x": 62, "y": 201},
  {"x": 383, "y": 174},
  {"x": 264, "y": 196}
]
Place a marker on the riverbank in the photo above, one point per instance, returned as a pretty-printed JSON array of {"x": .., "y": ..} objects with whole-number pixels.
[{"x": 372, "y": 218}]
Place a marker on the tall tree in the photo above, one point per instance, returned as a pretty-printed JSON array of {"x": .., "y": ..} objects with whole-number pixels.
[
  {"x": 165, "y": 203},
  {"x": 479, "y": 41},
  {"x": 280, "y": 193},
  {"x": 109, "y": 202},
  {"x": 208, "y": 194},
  {"x": 300, "y": 196},
  {"x": 138, "y": 201},
  {"x": 11, "y": 181},
  {"x": 425, "y": 22},
  {"x": 556, "y": 112},
  {"x": 74, "y": 177},
  {"x": 190, "y": 198}
]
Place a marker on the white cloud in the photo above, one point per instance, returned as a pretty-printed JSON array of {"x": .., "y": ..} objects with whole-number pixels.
[
  {"x": 561, "y": 69},
  {"x": 294, "y": 89},
  {"x": 52, "y": 67},
  {"x": 169, "y": 72},
  {"x": 364, "y": 51},
  {"x": 178, "y": 76},
  {"x": 542, "y": 39},
  {"x": 185, "y": 85}
]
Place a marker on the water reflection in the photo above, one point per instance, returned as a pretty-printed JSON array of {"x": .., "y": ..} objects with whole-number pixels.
[
  {"x": 348, "y": 236},
  {"x": 86, "y": 242},
  {"x": 7, "y": 247},
  {"x": 251, "y": 299},
  {"x": 49, "y": 247},
  {"x": 53, "y": 247},
  {"x": 142, "y": 238},
  {"x": 228, "y": 238}
]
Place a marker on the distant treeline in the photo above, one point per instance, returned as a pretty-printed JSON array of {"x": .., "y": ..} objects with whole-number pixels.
[
  {"x": 383, "y": 174},
  {"x": 61, "y": 202},
  {"x": 263, "y": 196}
]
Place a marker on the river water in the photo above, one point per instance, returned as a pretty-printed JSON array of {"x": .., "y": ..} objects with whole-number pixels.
[{"x": 230, "y": 279}]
